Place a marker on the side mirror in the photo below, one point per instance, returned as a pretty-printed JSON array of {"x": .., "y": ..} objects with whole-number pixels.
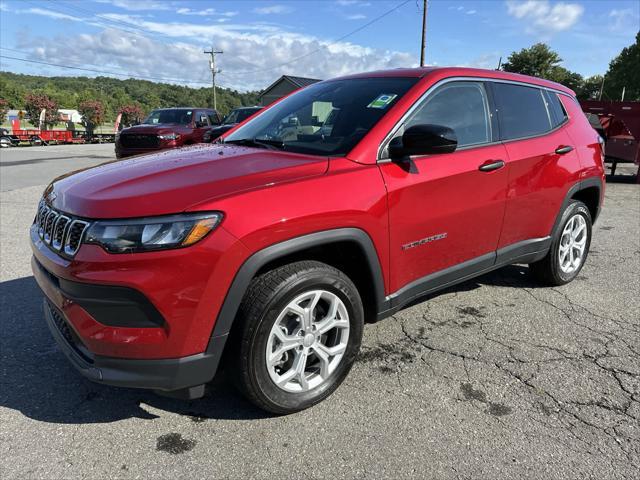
[{"x": 424, "y": 140}]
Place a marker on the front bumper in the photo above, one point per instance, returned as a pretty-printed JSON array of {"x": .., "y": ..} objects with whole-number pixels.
[
  {"x": 186, "y": 374},
  {"x": 141, "y": 321}
]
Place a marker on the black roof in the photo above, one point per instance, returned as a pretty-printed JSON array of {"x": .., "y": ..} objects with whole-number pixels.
[{"x": 301, "y": 81}]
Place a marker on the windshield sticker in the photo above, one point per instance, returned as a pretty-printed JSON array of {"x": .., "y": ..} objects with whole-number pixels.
[{"x": 382, "y": 101}]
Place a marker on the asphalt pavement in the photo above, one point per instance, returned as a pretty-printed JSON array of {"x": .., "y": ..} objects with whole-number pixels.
[{"x": 496, "y": 378}]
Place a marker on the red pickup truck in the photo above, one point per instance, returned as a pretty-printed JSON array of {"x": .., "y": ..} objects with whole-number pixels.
[
  {"x": 166, "y": 128},
  {"x": 339, "y": 205}
]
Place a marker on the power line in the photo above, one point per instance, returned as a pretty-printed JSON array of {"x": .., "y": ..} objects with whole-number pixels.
[
  {"x": 339, "y": 39},
  {"x": 138, "y": 77},
  {"x": 111, "y": 23},
  {"x": 130, "y": 25}
]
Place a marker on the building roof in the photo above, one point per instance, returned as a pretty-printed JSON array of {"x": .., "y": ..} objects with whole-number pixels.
[
  {"x": 301, "y": 81},
  {"x": 298, "y": 82}
]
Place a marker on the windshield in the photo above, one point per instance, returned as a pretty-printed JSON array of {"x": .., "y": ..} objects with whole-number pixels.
[
  {"x": 327, "y": 118},
  {"x": 239, "y": 115},
  {"x": 173, "y": 116}
]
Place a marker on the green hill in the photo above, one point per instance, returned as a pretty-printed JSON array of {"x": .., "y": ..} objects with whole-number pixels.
[{"x": 114, "y": 93}]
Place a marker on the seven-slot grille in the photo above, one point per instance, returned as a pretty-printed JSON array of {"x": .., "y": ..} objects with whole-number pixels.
[{"x": 61, "y": 232}]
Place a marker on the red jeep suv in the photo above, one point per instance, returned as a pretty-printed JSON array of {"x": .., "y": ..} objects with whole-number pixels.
[
  {"x": 166, "y": 128},
  {"x": 336, "y": 206}
]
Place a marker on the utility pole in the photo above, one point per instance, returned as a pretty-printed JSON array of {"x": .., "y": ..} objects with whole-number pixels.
[
  {"x": 214, "y": 71},
  {"x": 424, "y": 31},
  {"x": 601, "y": 89}
]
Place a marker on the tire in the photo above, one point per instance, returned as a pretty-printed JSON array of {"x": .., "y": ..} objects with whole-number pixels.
[
  {"x": 550, "y": 270},
  {"x": 268, "y": 298}
]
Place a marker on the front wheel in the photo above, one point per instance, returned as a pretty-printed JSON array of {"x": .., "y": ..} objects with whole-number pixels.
[
  {"x": 301, "y": 331},
  {"x": 569, "y": 247}
]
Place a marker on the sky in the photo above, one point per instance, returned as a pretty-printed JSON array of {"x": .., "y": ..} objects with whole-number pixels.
[{"x": 163, "y": 40}]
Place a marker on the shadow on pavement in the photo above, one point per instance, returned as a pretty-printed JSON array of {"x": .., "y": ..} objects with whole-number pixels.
[{"x": 38, "y": 381}]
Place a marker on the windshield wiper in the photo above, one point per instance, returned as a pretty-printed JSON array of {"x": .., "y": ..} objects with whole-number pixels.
[{"x": 260, "y": 143}]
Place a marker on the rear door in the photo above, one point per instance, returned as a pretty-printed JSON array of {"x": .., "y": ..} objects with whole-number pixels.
[
  {"x": 541, "y": 159},
  {"x": 444, "y": 210}
]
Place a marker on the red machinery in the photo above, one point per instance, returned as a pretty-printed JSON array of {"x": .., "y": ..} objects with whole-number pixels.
[
  {"x": 619, "y": 125},
  {"x": 44, "y": 137}
]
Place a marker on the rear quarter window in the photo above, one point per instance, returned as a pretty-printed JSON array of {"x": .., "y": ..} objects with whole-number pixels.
[
  {"x": 522, "y": 111},
  {"x": 556, "y": 109}
]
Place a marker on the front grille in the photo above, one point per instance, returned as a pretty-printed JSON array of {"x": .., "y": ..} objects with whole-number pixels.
[
  {"x": 62, "y": 233},
  {"x": 68, "y": 333},
  {"x": 131, "y": 140}
]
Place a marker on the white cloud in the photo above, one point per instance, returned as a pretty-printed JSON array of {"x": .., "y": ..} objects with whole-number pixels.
[
  {"x": 251, "y": 52},
  {"x": 50, "y": 14},
  {"x": 347, "y": 3},
  {"x": 543, "y": 17},
  {"x": 272, "y": 9},
  {"x": 137, "y": 5},
  {"x": 188, "y": 11},
  {"x": 357, "y": 16},
  {"x": 623, "y": 19},
  {"x": 207, "y": 12},
  {"x": 462, "y": 9},
  {"x": 486, "y": 61}
]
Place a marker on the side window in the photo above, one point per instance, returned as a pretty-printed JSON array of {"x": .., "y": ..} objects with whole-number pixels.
[
  {"x": 522, "y": 111},
  {"x": 213, "y": 118},
  {"x": 202, "y": 120},
  {"x": 556, "y": 109},
  {"x": 462, "y": 106}
]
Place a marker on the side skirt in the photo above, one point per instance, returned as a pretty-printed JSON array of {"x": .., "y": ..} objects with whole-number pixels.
[{"x": 528, "y": 251}]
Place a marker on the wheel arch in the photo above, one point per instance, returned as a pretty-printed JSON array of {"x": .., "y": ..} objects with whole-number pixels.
[
  {"x": 588, "y": 191},
  {"x": 295, "y": 249}
]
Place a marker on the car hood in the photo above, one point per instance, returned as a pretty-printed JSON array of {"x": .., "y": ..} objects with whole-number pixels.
[{"x": 171, "y": 181}]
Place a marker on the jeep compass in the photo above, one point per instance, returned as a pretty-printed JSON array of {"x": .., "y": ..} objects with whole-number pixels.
[{"x": 336, "y": 206}]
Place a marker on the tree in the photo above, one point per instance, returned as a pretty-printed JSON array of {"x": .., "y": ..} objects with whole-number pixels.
[
  {"x": 115, "y": 93},
  {"x": 624, "y": 73},
  {"x": 34, "y": 103},
  {"x": 537, "y": 61},
  {"x": 590, "y": 88},
  {"x": 4, "y": 106},
  {"x": 131, "y": 115},
  {"x": 566, "y": 77},
  {"x": 92, "y": 112}
]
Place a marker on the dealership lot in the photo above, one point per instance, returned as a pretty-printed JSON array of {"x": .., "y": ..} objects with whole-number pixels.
[{"x": 495, "y": 378}]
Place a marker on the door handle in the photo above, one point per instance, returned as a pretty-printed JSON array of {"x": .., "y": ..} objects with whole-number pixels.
[
  {"x": 491, "y": 165},
  {"x": 563, "y": 150}
]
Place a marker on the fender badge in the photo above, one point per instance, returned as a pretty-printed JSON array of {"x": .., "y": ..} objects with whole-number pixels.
[{"x": 424, "y": 241}]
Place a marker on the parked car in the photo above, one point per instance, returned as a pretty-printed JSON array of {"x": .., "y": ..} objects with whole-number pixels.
[
  {"x": 236, "y": 116},
  {"x": 166, "y": 128},
  {"x": 278, "y": 245}
]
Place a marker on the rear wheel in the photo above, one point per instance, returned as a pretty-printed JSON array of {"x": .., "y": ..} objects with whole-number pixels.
[
  {"x": 301, "y": 331},
  {"x": 569, "y": 247}
]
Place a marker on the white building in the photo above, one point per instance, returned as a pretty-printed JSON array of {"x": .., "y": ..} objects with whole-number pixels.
[{"x": 67, "y": 114}]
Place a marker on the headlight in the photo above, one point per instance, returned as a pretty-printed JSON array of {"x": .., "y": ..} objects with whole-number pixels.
[
  {"x": 153, "y": 233},
  {"x": 169, "y": 136}
]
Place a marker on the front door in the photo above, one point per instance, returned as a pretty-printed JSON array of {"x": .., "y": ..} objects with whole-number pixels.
[
  {"x": 201, "y": 125},
  {"x": 447, "y": 209}
]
